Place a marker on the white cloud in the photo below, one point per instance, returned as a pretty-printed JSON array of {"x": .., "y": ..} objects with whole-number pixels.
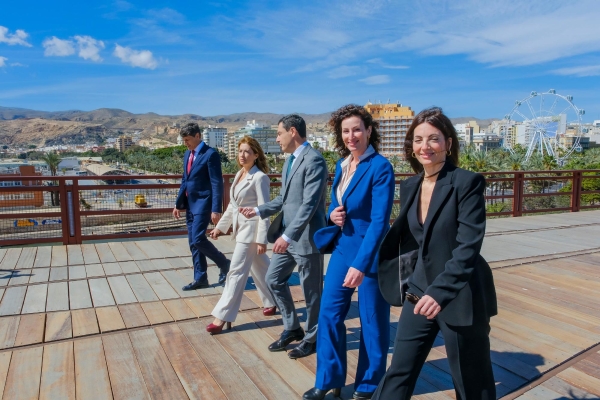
[
  {"x": 89, "y": 48},
  {"x": 3, "y": 61},
  {"x": 17, "y": 65},
  {"x": 587, "y": 70},
  {"x": 58, "y": 47},
  {"x": 16, "y": 38},
  {"x": 136, "y": 58},
  {"x": 344, "y": 71},
  {"x": 381, "y": 63},
  {"x": 376, "y": 80}
]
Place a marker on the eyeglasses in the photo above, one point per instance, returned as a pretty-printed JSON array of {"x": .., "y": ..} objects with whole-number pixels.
[{"x": 413, "y": 298}]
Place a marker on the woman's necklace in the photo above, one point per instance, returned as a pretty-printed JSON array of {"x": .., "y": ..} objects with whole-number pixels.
[{"x": 434, "y": 174}]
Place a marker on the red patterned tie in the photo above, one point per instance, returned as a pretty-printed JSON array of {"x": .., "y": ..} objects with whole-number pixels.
[{"x": 190, "y": 162}]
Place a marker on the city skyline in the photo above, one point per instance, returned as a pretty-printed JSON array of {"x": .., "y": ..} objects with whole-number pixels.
[{"x": 469, "y": 57}]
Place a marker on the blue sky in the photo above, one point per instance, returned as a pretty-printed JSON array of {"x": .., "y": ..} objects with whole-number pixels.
[{"x": 473, "y": 58}]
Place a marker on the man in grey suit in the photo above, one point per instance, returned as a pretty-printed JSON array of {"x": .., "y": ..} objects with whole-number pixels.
[{"x": 302, "y": 205}]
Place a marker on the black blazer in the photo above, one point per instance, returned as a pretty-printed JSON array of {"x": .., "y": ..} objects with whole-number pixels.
[{"x": 453, "y": 272}]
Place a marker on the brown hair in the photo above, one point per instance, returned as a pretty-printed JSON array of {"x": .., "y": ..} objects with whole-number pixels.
[
  {"x": 435, "y": 117},
  {"x": 351, "y": 110},
  {"x": 261, "y": 161}
]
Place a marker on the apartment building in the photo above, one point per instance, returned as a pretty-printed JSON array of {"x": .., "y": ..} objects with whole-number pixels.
[
  {"x": 394, "y": 120},
  {"x": 264, "y": 134},
  {"x": 123, "y": 143},
  {"x": 215, "y": 137}
]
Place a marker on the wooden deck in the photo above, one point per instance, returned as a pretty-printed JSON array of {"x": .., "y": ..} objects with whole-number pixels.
[{"x": 109, "y": 320}]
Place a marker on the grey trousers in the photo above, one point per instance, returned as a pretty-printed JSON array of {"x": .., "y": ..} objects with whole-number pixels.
[{"x": 310, "y": 269}]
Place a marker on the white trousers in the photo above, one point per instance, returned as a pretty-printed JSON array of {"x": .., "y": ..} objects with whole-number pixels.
[{"x": 243, "y": 260}]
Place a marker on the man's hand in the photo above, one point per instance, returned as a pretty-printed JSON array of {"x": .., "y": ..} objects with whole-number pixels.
[
  {"x": 215, "y": 233},
  {"x": 215, "y": 217},
  {"x": 338, "y": 216},
  {"x": 247, "y": 212},
  {"x": 353, "y": 278},
  {"x": 428, "y": 307},
  {"x": 176, "y": 213},
  {"x": 261, "y": 248},
  {"x": 280, "y": 246}
]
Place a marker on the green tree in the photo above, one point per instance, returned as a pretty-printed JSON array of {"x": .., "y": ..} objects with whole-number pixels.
[{"x": 52, "y": 160}]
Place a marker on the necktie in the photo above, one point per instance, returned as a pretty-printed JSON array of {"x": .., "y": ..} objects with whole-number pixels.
[
  {"x": 289, "y": 168},
  {"x": 190, "y": 162}
]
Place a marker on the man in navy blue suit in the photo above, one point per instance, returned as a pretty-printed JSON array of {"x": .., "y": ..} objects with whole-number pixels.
[{"x": 201, "y": 196}]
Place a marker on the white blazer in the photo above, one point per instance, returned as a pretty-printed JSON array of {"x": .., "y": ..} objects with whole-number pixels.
[{"x": 253, "y": 192}]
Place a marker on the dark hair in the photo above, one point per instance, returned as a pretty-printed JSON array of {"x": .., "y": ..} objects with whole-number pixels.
[
  {"x": 261, "y": 161},
  {"x": 435, "y": 117},
  {"x": 353, "y": 110},
  {"x": 296, "y": 121},
  {"x": 190, "y": 129}
]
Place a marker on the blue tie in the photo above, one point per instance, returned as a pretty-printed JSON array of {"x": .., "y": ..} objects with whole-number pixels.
[{"x": 289, "y": 168}]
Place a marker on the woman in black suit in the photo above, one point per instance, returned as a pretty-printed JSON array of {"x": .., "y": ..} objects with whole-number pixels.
[{"x": 440, "y": 228}]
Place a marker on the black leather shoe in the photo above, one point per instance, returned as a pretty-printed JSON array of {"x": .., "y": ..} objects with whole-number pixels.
[
  {"x": 318, "y": 394},
  {"x": 362, "y": 395},
  {"x": 196, "y": 285},
  {"x": 286, "y": 338},
  {"x": 223, "y": 274},
  {"x": 302, "y": 350}
]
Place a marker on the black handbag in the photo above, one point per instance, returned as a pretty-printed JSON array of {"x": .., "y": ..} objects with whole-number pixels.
[
  {"x": 275, "y": 230},
  {"x": 393, "y": 277}
]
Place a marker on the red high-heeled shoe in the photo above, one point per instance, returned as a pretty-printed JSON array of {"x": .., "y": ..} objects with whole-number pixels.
[
  {"x": 216, "y": 329},
  {"x": 268, "y": 311}
]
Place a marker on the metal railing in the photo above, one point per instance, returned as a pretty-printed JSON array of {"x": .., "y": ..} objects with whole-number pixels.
[{"x": 74, "y": 209}]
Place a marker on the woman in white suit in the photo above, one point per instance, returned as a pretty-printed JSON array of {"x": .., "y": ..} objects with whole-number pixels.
[{"x": 250, "y": 189}]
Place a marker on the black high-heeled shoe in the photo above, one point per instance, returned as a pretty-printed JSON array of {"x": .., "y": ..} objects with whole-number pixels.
[
  {"x": 318, "y": 394},
  {"x": 216, "y": 329}
]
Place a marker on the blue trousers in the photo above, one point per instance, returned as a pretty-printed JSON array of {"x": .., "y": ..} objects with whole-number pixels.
[
  {"x": 201, "y": 247},
  {"x": 331, "y": 336}
]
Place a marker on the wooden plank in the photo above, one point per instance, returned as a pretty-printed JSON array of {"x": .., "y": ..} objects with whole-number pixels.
[
  {"x": 109, "y": 319},
  {"x": 8, "y": 331},
  {"x": 79, "y": 295},
  {"x": 135, "y": 252},
  {"x": 177, "y": 283},
  {"x": 200, "y": 306},
  {"x": 112, "y": 269},
  {"x": 58, "y": 326},
  {"x": 161, "y": 287},
  {"x": 84, "y": 322},
  {"x": 156, "y": 312},
  {"x": 58, "y": 372},
  {"x": 129, "y": 267},
  {"x": 58, "y": 296},
  {"x": 59, "y": 273},
  {"x": 35, "y": 299},
  {"x": 179, "y": 310},
  {"x": 89, "y": 254},
  {"x": 59, "y": 256},
  {"x": 101, "y": 294},
  {"x": 152, "y": 248},
  {"x": 121, "y": 290},
  {"x": 20, "y": 277},
  {"x": 565, "y": 389},
  {"x": 31, "y": 330},
  {"x": 27, "y": 258},
  {"x": 178, "y": 263},
  {"x": 187, "y": 274},
  {"x": 94, "y": 270},
  {"x": 39, "y": 275},
  {"x": 104, "y": 253},
  {"x": 119, "y": 251},
  {"x": 126, "y": 377},
  {"x": 23, "y": 379},
  {"x": 12, "y": 301},
  {"x": 43, "y": 257},
  {"x": 161, "y": 264},
  {"x": 4, "y": 364},
  {"x": 10, "y": 258},
  {"x": 193, "y": 375},
  {"x": 91, "y": 374},
  {"x": 77, "y": 272},
  {"x": 2, "y": 253},
  {"x": 133, "y": 316},
  {"x": 74, "y": 254},
  {"x": 146, "y": 265},
  {"x": 161, "y": 380},
  {"x": 141, "y": 288}
]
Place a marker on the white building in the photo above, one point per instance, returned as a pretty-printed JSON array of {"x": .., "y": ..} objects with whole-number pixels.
[{"x": 215, "y": 137}]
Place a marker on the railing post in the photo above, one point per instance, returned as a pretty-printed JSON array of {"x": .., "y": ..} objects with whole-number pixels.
[
  {"x": 518, "y": 191},
  {"x": 62, "y": 191},
  {"x": 576, "y": 191},
  {"x": 226, "y": 190},
  {"x": 76, "y": 213}
]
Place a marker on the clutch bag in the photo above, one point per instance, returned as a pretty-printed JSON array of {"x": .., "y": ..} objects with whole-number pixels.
[
  {"x": 393, "y": 277},
  {"x": 324, "y": 238},
  {"x": 274, "y": 231}
]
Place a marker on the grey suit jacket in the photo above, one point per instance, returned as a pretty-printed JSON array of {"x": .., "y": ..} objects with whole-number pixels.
[{"x": 301, "y": 200}]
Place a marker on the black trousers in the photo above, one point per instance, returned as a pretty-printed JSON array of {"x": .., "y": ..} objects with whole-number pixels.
[{"x": 467, "y": 348}]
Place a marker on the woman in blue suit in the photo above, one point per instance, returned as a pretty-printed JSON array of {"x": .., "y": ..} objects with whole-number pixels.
[{"x": 361, "y": 204}]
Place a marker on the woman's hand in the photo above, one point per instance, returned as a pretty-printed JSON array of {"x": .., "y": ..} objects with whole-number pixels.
[
  {"x": 353, "y": 278},
  {"x": 215, "y": 233},
  {"x": 261, "y": 248},
  {"x": 338, "y": 216},
  {"x": 428, "y": 307}
]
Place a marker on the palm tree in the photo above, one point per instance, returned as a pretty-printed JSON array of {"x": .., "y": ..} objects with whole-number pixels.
[{"x": 52, "y": 160}]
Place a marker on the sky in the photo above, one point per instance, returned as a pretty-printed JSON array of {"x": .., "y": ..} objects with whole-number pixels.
[{"x": 470, "y": 57}]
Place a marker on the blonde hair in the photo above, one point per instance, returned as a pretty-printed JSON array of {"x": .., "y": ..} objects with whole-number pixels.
[{"x": 261, "y": 161}]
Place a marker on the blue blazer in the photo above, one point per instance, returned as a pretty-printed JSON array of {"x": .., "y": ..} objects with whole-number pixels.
[
  {"x": 204, "y": 184},
  {"x": 368, "y": 204}
]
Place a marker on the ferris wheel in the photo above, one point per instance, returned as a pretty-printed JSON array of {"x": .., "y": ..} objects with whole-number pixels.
[{"x": 546, "y": 123}]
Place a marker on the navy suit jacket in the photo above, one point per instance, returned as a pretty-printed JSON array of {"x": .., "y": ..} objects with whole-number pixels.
[
  {"x": 204, "y": 183},
  {"x": 368, "y": 204}
]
